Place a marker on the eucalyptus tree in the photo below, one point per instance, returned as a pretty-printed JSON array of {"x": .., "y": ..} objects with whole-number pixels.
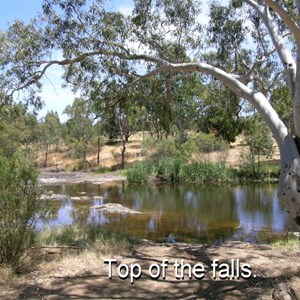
[
  {"x": 80, "y": 127},
  {"x": 51, "y": 133},
  {"x": 97, "y": 44},
  {"x": 185, "y": 91},
  {"x": 18, "y": 129},
  {"x": 259, "y": 142},
  {"x": 157, "y": 106},
  {"x": 121, "y": 112},
  {"x": 220, "y": 112}
]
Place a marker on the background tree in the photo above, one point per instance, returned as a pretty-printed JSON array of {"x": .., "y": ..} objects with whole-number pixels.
[
  {"x": 185, "y": 94},
  {"x": 80, "y": 127},
  {"x": 220, "y": 112},
  {"x": 51, "y": 132},
  {"x": 98, "y": 127},
  {"x": 18, "y": 128},
  {"x": 259, "y": 141}
]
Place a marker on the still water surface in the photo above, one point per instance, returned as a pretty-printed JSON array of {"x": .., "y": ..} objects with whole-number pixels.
[{"x": 199, "y": 213}]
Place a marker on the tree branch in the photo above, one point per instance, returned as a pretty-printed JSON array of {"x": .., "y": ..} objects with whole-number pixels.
[
  {"x": 284, "y": 54},
  {"x": 286, "y": 19},
  {"x": 40, "y": 73}
]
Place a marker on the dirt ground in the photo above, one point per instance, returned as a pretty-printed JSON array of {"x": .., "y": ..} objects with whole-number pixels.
[
  {"x": 86, "y": 276},
  {"x": 49, "y": 178}
]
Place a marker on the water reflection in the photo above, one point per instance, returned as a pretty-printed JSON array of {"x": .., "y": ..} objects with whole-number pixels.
[{"x": 205, "y": 213}]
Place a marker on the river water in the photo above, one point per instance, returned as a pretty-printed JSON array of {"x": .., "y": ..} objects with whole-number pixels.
[{"x": 189, "y": 213}]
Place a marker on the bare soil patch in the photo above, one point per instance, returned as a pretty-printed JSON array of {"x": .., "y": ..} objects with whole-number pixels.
[
  {"x": 85, "y": 275},
  {"x": 78, "y": 177}
]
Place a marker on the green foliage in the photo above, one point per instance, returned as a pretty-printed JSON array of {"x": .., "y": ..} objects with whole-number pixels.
[
  {"x": 157, "y": 148},
  {"x": 51, "y": 133},
  {"x": 219, "y": 113},
  {"x": 208, "y": 172},
  {"x": 268, "y": 172},
  {"x": 283, "y": 104},
  {"x": 207, "y": 143},
  {"x": 139, "y": 173},
  {"x": 168, "y": 169},
  {"x": 19, "y": 192},
  {"x": 51, "y": 129},
  {"x": 80, "y": 127},
  {"x": 232, "y": 34},
  {"x": 174, "y": 169},
  {"x": 259, "y": 141},
  {"x": 18, "y": 128}
]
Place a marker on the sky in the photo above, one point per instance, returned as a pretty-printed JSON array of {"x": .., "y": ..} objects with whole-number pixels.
[{"x": 55, "y": 97}]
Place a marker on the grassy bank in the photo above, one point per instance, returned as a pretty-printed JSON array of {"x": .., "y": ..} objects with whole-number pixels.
[
  {"x": 84, "y": 236},
  {"x": 176, "y": 169}
]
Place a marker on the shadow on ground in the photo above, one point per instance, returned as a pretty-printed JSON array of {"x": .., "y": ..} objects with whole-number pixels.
[{"x": 268, "y": 265}]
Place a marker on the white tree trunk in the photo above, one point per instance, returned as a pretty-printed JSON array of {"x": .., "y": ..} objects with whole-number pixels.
[
  {"x": 289, "y": 187},
  {"x": 296, "y": 101}
]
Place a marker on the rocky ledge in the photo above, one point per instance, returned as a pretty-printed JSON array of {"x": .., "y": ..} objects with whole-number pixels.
[{"x": 115, "y": 208}]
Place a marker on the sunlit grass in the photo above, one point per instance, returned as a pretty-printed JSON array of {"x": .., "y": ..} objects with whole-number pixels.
[
  {"x": 291, "y": 243},
  {"x": 92, "y": 237}
]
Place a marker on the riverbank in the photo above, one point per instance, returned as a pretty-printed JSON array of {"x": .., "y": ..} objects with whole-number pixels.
[
  {"x": 60, "y": 273},
  {"x": 48, "y": 177}
]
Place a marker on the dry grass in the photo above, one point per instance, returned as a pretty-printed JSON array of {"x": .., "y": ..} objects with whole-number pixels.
[
  {"x": 110, "y": 155},
  {"x": 292, "y": 244}
]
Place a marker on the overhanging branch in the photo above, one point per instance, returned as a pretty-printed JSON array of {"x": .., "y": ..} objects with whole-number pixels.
[{"x": 286, "y": 19}]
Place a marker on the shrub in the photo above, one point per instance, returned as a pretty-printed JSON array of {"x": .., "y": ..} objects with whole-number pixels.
[
  {"x": 169, "y": 168},
  {"x": 139, "y": 173},
  {"x": 159, "y": 148},
  {"x": 207, "y": 143},
  {"x": 19, "y": 192}
]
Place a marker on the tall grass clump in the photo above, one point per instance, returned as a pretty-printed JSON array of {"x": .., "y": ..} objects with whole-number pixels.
[
  {"x": 208, "y": 172},
  {"x": 19, "y": 194},
  {"x": 139, "y": 173},
  {"x": 169, "y": 168}
]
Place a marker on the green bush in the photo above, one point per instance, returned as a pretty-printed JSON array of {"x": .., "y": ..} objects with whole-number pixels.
[
  {"x": 169, "y": 168},
  {"x": 159, "y": 148},
  {"x": 139, "y": 173},
  {"x": 207, "y": 143},
  {"x": 19, "y": 192}
]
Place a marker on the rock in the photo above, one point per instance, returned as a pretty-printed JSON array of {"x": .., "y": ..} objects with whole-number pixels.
[
  {"x": 115, "y": 208},
  {"x": 171, "y": 239},
  {"x": 281, "y": 292},
  {"x": 51, "y": 196},
  {"x": 295, "y": 289},
  {"x": 81, "y": 198}
]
